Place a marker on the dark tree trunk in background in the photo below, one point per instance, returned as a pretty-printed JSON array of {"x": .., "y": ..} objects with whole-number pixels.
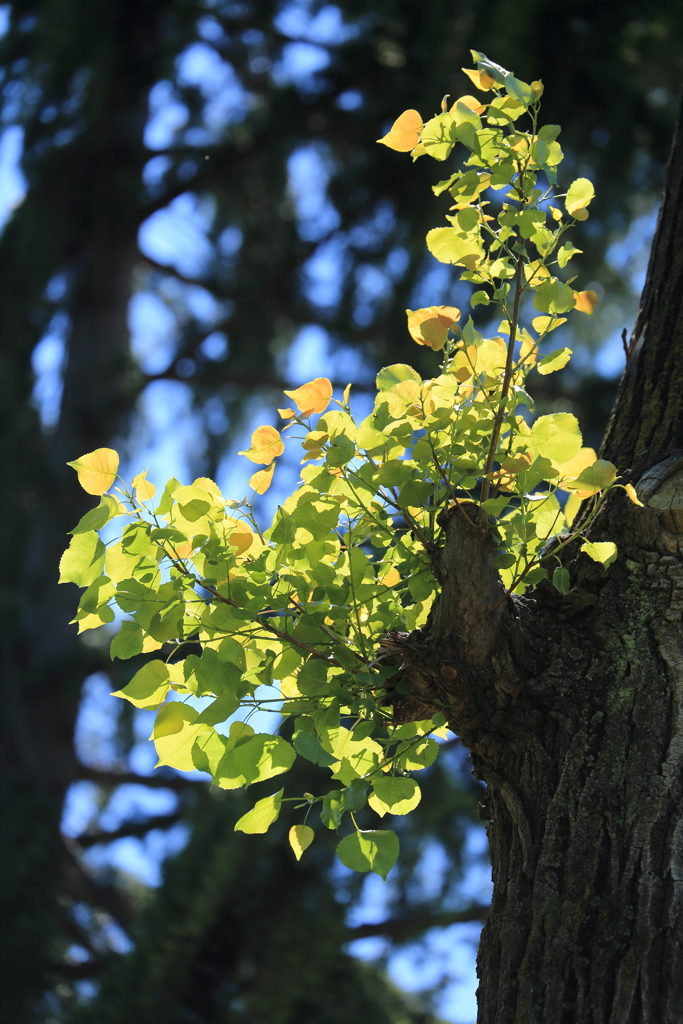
[
  {"x": 94, "y": 226},
  {"x": 572, "y": 710}
]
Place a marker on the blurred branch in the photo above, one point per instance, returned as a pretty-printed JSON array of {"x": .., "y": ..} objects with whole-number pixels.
[
  {"x": 157, "y": 781},
  {"x": 400, "y": 929},
  {"x": 133, "y": 828},
  {"x": 78, "y": 971},
  {"x": 82, "y": 887}
]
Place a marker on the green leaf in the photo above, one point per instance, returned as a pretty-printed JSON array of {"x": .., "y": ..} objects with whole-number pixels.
[
  {"x": 391, "y": 375},
  {"x": 554, "y": 297},
  {"x": 561, "y": 579},
  {"x": 332, "y": 808},
  {"x": 604, "y": 552},
  {"x": 98, "y": 517},
  {"x": 127, "y": 642},
  {"x": 448, "y": 245},
  {"x": 596, "y": 477},
  {"x": 300, "y": 838},
  {"x": 261, "y": 816},
  {"x": 519, "y": 91},
  {"x": 148, "y": 687},
  {"x": 369, "y": 851},
  {"x": 439, "y": 136},
  {"x": 219, "y": 710},
  {"x": 579, "y": 195},
  {"x": 258, "y": 758},
  {"x": 175, "y": 731},
  {"x": 555, "y": 437},
  {"x": 555, "y": 361},
  {"x": 83, "y": 560},
  {"x": 566, "y": 252},
  {"x": 207, "y": 751},
  {"x": 394, "y": 795},
  {"x": 494, "y": 71}
]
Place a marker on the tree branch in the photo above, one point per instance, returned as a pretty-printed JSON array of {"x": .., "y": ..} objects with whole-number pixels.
[
  {"x": 104, "y": 777},
  {"x": 401, "y": 929},
  {"x": 133, "y": 828}
]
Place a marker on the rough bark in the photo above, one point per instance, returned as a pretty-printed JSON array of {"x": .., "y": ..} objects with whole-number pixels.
[{"x": 572, "y": 709}]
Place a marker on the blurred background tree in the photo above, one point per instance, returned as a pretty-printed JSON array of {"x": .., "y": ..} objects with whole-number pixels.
[{"x": 206, "y": 219}]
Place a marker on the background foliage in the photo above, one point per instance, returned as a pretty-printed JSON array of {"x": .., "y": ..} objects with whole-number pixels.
[{"x": 297, "y": 234}]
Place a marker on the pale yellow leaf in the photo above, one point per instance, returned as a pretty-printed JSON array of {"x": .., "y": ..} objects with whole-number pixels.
[{"x": 96, "y": 470}]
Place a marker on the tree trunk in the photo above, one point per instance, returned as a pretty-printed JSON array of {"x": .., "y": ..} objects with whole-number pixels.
[{"x": 571, "y": 708}]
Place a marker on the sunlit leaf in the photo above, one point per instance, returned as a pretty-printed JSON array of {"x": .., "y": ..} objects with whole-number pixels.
[
  {"x": 604, "y": 552},
  {"x": 404, "y": 133},
  {"x": 97, "y": 470},
  {"x": 313, "y": 397},
  {"x": 585, "y": 302},
  {"x": 144, "y": 490},
  {"x": 262, "y": 479},
  {"x": 480, "y": 79},
  {"x": 394, "y": 795},
  {"x": 300, "y": 838},
  {"x": 261, "y": 816},
  {"x": 555, "y": 361},
  {"x": 83, "y": 560},
  {"x": 266, "y": 445},
  {"x": 430, "y": 326},
  {"x": 175, "y": 730},
  {"x": 148, "y": 687},
  {"x": 631, "y": 491},
  {"x": 579, "y": 195}
]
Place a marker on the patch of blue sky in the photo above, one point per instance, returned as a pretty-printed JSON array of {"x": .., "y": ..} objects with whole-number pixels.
[
  {"x": 373, "y": 290},
  {"x": 299, "y": 65},
  {"x": 309, "y": 169},
  {"x": 48, "y": 361},
  {"x": 153, "y": 329},
  {"x": 167, "y": 116},
  {"x": 323, "y": 274},
  {"x": 176, "y": 236},
  {"x": 226, "y": 101},
  {"x": 325, "y": 26},
  {"x": 166, "y": 436},
  {"x": 12, "y": 181},
  {"x": 142, "y": 858}
]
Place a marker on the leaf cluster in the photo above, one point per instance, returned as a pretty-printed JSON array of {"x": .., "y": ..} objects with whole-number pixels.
[{"x": 308, "y": 607}]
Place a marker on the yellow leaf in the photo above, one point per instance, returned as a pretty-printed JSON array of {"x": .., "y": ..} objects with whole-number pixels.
[
  {"x": 582, "y": 460},
  {"x": 585, "y": 302},
  {"x": 404, "y": 133},
  {"x": 262, "y": 479},
  {"x": 571, "y": 508},
  {"x": 537, "y": 88},
  {"x": 96, "y": 470},
  {"x": 204, "y": 483},
  {"x": 239, "y": 534},
  {"x": 631, "y": 491},
  {"x": 430, "y": 326},
  {"x": 287, "y": 414},
  {"x": 266, "y": 445},
  {"x": 480, "y": 79},
  {"x": 312, "y": 397},
  {"x": 347, "y": 392},
  {"x": 543, "y": 324},
  {"x": 391, "y": 578},
  {"x": 144, "y": 490},
  {"x": 300, "y": 838},
  {"x": 469, "y": 101}
]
